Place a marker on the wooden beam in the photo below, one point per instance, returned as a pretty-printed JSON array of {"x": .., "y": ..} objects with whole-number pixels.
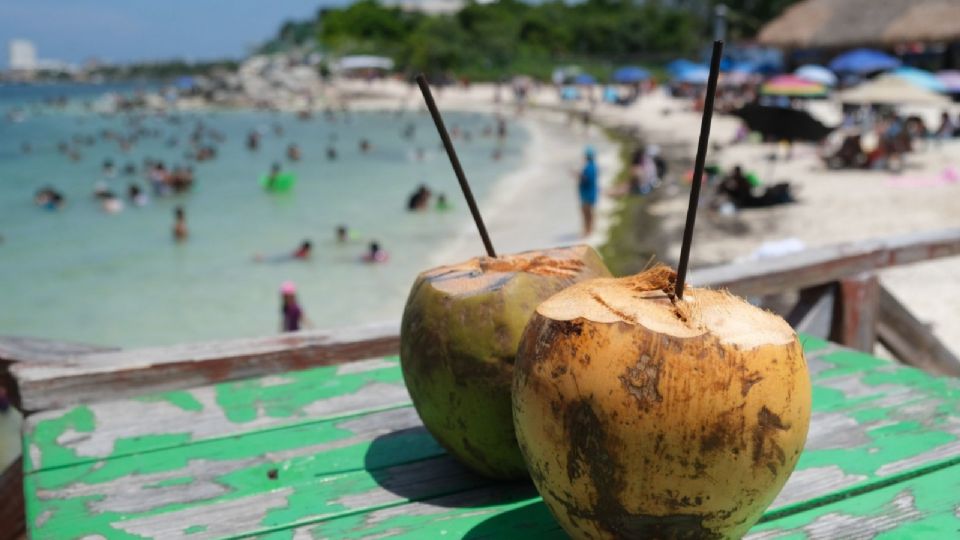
[
  {"x": 824, "y": 265},
  {"x": 120, "y": 374},
  {"x": 34, "y": 350},
  {"x": 911, "y": 341},
  {"x": 12, "y": 524},
  {"x": 813, "y": 313},
  {"x": 855, "y": 312}
]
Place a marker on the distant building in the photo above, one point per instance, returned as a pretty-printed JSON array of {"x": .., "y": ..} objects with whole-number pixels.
[
  {"x": 429, "y": 6},
  {"x": 22, "y": 56}
]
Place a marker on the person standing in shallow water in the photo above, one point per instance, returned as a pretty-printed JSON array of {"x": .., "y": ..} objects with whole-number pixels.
[
  {"x": 587, "y": 188},
  {"x": 180, "y": 232},
  {"x": 292, "y": 317}
]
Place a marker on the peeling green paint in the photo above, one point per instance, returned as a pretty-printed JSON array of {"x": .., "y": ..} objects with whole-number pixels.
[
  {"x": 241, "y": 402},
  {"x": 178, "y": 398},
  {"x": 336, "y": 474}
]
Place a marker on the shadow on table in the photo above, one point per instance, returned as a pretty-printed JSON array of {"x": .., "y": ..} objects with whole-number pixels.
[
  {"x": 531, "y": 521},
  {"x": 412, "y": 465}
]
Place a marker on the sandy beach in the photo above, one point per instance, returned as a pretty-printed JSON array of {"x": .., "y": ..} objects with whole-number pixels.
[
  {"x": 533, "y": 207},
  {"x": 834, "y": 206}
]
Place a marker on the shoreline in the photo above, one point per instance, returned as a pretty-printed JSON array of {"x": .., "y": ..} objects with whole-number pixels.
[{"x": 545, "y": 177}]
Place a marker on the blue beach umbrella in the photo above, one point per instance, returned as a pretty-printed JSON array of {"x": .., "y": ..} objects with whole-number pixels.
[
  {"x": 863, "y": 61},
  {"x": 630, "y": 74},
  {"x": 817, "y": 74},
  {"x": 583, "y": 78},
  {"x": 694, "y": 75},
  {"x": 677, "y": 67},
  {"x": 921, "y": 78}
]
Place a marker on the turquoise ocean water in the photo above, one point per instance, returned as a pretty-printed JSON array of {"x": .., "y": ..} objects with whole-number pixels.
[{"x": 120, "y": 279}]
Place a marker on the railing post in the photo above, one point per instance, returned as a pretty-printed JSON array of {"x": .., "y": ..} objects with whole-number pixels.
[{"x": 856, "y": 311}]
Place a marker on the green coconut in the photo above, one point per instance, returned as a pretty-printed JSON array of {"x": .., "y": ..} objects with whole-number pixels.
[{"x": 458, "y": 339}]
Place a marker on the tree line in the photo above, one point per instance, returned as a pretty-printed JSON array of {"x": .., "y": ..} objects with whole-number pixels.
[{"x": 491, "y": 40}]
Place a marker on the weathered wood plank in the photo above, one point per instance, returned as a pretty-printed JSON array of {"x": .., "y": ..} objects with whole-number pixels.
[
  {"x": 923, "y": 507},
  {"x": 116, "y": 428},
  {"x": 218, "y": 498},
  {"x": 813, "y": 313},
  {"x": 34, "y": 350},
  {"x": 128, "y": 373},
  {"x": 863, "y": 407},
  {"x": 512, "y": 510},
  {"x": 28, "y": 349},
  {"x": 910, "y": 340},
  {"x": 858, "y": 299},
  {"x": 824, "y": 265},
  {"x": 11, "y": 501}
]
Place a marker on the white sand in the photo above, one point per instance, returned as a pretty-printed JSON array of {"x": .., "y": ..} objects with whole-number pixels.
[
  {"x": 536, "y": 207},
  {"x": 834, "y": 207},
  {"x": 533, "y": 207}
]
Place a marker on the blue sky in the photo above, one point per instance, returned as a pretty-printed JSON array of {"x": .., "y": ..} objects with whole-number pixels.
[{"x": 128, "y": 30}]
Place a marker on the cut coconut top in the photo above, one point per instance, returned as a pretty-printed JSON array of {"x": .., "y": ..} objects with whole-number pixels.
[
  {"x": 487, "y": 273},
  {"x": 646, "y": 299}
]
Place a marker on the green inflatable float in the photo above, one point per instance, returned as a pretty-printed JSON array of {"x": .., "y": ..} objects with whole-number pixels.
[{"x": 280, "y": 182}]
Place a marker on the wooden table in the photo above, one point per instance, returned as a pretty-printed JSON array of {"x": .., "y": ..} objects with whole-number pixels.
[{"x": 339, "y": 452}]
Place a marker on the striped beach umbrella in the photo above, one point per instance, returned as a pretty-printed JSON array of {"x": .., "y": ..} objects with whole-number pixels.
[
  {"x": 950, "y": 80},
  {"x": 792, "y": 86},
  {"x": 921, "y": 78},
  {"x": 817, "y": 74}
]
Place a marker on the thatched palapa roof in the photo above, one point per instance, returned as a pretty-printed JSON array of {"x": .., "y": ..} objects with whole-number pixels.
[{"x": 849, "y": 23}]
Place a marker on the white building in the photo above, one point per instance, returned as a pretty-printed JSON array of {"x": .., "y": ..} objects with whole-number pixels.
[
  {"x": 429, "y": 6},
  {"x": 22, "y": 55}
]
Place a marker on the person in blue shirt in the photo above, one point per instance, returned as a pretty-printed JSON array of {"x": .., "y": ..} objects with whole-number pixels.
[{"x": 587, "y": 187}]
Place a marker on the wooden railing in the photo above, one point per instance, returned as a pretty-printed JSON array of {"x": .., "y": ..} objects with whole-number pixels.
[{"x": 841, "y": 297}]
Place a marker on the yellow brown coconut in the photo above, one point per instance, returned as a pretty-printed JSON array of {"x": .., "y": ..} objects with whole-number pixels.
[
  {"x": 643, "y": 416},
  {"x": 458, "y": 341}
]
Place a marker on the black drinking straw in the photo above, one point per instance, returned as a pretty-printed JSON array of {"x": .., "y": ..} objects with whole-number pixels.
[
  {"x": 455, "y": 162},
  {"x": 698, "y": 167}
]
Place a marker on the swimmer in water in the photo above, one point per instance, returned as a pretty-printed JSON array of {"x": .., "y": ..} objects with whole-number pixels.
[
  {"x": 180, "y": 232},
  {"x": 137, "y": 196},
  {"x": 331, "y": 153},
  {"x": 293, "y": 152},
  {"x": 49, "y": 199},
  {"x": 375, "y": 254},
  {"x": 442, "y": 204},
  {"x": 273, "y": 176},
  {"x": 108, "y": 169},
  {"x": 302, "y": 253},
  {"x": 342, "y": 234},
  {"x": 419, "y": 199},
  {"x": 365, "y": 146},
  {"x": 292, "y": 317},
  {"x": 111, "y": 204}
]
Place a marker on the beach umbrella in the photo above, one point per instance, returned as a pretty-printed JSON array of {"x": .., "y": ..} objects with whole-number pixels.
[
  {"x": 891, "y": 90},
  {"x": 921, "y": 78},
  {"x": 863, "y": 61},
  {"x": 950, "y": 80},
  {"x": 782, "y": 123},
  {"x": 630, "y": 74},
  {"x": 677, "y": 67},
  {"x": 693, "y": 75},
  {"x": 792, "y": 86},
  {"x": 583, "y": 78},
  {"x": 817, "y": 74}
]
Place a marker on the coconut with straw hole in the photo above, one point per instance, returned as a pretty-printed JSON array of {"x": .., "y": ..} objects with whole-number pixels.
[
  {"x": 647, "y": 409},
  {"x": 460, "y": 330}
]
